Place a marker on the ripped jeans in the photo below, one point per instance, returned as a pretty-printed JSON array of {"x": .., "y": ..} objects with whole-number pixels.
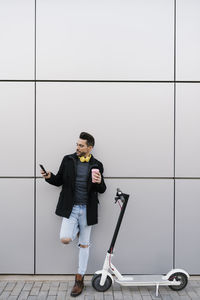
[{"x": 77, "y": 222}]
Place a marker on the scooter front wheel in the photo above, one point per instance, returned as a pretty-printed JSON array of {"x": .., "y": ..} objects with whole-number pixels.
[
  {"x": 96, "y": 283},
  {"x": 178, "y": 277}
]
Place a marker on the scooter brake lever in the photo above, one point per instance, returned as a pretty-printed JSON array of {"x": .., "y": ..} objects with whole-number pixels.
[{"x": 116, "y": 199}]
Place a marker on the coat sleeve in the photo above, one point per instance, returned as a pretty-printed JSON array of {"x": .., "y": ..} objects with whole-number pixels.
[
  {"x": 100, "y": 187},
  {"x": 57, "y": 179}
]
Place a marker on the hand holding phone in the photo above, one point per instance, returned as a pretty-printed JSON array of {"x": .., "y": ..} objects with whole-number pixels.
[{"x": 47, "y": 174}]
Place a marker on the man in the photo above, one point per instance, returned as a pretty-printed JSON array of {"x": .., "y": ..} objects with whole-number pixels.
[{"x": 78, "y": 200}]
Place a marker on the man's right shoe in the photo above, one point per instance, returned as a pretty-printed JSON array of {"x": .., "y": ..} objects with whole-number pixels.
[{"x": 78, "y": 286}]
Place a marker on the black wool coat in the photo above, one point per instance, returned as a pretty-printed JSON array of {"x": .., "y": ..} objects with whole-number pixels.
[{"x": 66, "y": 177}]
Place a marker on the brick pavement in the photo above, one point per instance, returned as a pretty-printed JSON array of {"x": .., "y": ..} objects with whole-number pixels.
[{"x": 59, "y": 289}]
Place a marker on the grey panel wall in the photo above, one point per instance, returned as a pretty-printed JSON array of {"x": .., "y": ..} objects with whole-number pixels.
[
  {"x": 187, "y": 225},
  {"x": 17, "y": 39},
  {"x": 105, "y": 40},
  {"x": 17, "y": 226},
  {"x": 188, "y": 40},
  {"x": 128, "y": 73},
  {"x": 188, "y": 137},
  {"x": 17, "y": 128}
]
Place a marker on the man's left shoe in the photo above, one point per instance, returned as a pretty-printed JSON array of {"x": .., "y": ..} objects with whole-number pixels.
[{"x": 78, "y": 286}]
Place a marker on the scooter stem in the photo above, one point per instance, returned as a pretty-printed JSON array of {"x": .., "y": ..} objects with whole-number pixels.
[{"x": 125, "y": 197}]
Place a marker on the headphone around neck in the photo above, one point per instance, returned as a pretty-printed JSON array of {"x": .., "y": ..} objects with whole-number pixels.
[{"x": 85, "y": 159}]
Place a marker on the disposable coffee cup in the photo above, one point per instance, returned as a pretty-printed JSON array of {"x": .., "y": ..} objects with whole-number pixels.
[{"x": 94, "y": 171}]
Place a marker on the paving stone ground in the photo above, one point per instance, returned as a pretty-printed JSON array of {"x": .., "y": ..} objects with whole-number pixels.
[{"x": 13, "y": 289}]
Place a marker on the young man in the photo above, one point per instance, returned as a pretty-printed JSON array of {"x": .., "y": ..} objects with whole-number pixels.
[{"x": 78, "y": 200}]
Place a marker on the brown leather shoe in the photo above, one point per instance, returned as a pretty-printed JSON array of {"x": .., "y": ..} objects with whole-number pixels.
[{"x": 78, "y": 286}]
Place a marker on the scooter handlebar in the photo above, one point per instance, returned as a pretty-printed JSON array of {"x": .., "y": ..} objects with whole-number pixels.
[{"x": 119, "y": 196}]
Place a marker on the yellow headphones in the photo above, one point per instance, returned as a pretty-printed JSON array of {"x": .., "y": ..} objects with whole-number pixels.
[{"x": 85, "y": 159}]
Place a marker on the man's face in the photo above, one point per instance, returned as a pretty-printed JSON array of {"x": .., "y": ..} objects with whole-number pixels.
[{"x": 82, "y": 149}]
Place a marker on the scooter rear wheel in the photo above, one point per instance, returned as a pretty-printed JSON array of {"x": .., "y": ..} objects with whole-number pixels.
[
  {"x": 96, "y": 283},
  {"x": 178, "y": 277}
]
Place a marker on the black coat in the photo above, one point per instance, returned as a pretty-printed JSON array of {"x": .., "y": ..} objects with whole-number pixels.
[{"x": 66, "y": 177}]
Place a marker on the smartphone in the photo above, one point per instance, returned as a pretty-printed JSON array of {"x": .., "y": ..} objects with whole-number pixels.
[{"x": 41, "y": 166}]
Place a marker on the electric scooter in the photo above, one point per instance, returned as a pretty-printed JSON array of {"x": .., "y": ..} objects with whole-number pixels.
[{"x": 102, "y": 280}]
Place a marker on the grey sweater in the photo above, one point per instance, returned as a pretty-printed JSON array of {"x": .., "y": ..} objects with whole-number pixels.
[{"x": 81, "y": 193}]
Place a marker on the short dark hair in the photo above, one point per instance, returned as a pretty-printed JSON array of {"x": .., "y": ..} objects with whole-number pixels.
[{"x": 90, "y": 141}]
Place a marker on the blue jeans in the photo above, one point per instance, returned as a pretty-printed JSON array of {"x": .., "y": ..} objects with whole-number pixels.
[{"x": 77, "y": 222}]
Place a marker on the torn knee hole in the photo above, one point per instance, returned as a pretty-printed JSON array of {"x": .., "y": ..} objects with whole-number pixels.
[
  {"x": 66, "y": 240},
  {"x": 83, "y": 246}
]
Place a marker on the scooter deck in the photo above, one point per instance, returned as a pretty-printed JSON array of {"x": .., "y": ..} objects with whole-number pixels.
[{"x": 143, "y": 280}]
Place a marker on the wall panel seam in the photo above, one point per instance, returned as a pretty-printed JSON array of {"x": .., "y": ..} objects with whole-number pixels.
[
  {"x": 174, "y": 195},
  {"x": 34, "y": 262}
]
